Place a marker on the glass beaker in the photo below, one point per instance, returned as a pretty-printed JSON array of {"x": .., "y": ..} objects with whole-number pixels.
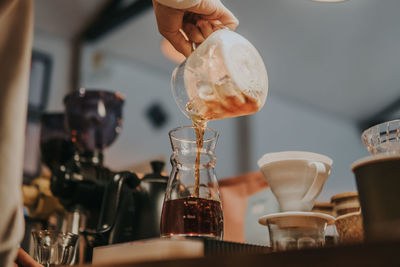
[
  {"x": 224, "y": 77},
  {"x": 192, "y": 207},
  {"x": 54, "y": 248}
]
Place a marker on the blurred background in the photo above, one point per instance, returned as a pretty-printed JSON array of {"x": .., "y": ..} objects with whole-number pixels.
[{"x": 333, "y": 71}]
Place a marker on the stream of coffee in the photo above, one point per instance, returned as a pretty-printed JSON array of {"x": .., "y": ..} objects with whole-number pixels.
[
  {"x": 227, "y": 106},
  {"x": 199, "y": 126}
]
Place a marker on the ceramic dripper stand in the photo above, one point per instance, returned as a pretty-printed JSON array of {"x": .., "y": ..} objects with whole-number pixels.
[
  {"x": 296, "y": 179},
  {"x": 378, "y": 182}
]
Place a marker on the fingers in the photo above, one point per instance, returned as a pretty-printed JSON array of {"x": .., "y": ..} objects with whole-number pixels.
[
  {"x": 24, "y": 260},
  {"x": 229, "y": 20},
  {"x": 205, "y": 27},
  {"x": 225, "y": 16},
  {"x": 199, "y": 32},
  {"x": 198, "y": 22},
  {"x": 169, "y": 22},
  {"x": 215, "y": 10},
  {"x": 193, "y": 33},
  {"x": 179, "y": 42}
]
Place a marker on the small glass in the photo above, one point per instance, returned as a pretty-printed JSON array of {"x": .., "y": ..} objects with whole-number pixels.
[
  {"x": 383, "y": 138},
  {"x": 190, "y": 208},
  {"x": 297, "y": 230},
  {"x": 54, "y": 248}
]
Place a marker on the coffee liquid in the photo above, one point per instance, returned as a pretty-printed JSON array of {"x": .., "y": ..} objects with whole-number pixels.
[
  {"x": 199, "y": 128},
  {"x": 228, "y": 106},
  {"x": 192, "y": 216},
  {"x": 203, "y": 111}
]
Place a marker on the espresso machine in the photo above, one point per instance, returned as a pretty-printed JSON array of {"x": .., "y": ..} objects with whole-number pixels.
[{"x": 110, "y": 207}]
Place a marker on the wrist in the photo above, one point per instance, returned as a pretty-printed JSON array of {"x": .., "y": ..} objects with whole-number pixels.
[{"x": 179, "y": 4}]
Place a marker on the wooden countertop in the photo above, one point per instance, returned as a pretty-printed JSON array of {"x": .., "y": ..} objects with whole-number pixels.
[{"x": 379, "y": 254}]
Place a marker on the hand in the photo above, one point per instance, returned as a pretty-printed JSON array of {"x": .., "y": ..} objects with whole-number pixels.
[
  {"x": 24, "y": 260},
  {"x": 197, "y": 22}
]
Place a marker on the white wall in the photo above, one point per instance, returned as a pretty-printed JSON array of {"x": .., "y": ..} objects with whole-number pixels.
[{"x": 59, "y": 50}]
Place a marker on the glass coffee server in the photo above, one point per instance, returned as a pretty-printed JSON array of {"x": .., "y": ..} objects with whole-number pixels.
[{"x": 192, "y": 205}]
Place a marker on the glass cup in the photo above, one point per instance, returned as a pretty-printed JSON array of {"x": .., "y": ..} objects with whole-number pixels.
[
  {"x": 192, "y": 208},
  {"x": 296, "y": 230},
  {"x": 224, "y": 77},
  {"x": 383, "y": 138},
  {"x": 54, "y": 248}
]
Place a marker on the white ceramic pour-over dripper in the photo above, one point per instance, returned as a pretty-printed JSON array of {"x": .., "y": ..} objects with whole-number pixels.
[{"x": 296, "y": 178}]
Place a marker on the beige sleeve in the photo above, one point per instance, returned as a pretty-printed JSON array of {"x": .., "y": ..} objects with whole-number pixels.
[
  {"x": 179, "y": 4},
  {"x": 16, "y": 27}
]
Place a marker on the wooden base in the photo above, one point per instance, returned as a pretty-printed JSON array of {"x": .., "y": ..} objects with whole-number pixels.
[{"x": 378, "y": 254}]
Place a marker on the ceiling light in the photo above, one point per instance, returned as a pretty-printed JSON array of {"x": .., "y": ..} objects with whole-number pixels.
[{"x": 170, "y": 52}]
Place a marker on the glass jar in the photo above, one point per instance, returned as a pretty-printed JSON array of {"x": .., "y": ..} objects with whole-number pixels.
[
  {"x": 224, "y": 77},
  {"x": 192, "y": 205}
]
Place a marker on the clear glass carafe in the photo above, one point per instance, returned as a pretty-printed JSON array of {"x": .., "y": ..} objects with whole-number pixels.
[{"x": 192, "y": 206}]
